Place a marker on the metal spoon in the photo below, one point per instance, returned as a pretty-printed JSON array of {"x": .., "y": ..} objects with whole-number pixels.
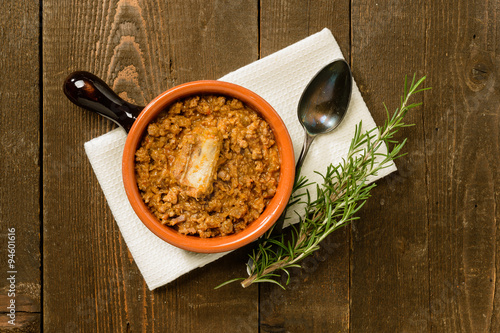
[{"x": 321, "y": 109}]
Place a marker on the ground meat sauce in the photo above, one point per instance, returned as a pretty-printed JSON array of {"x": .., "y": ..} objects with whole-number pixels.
[{"x": 207, "y": 166}]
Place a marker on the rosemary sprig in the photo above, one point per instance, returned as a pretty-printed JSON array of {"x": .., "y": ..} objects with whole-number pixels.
[{"x": 343, "y": 192}]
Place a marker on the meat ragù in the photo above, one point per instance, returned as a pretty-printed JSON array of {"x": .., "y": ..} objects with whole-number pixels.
[{"x": 207, "y": 166}]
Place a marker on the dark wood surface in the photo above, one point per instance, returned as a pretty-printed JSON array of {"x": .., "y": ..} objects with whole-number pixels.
[
  {"x": 20, "y": 169},
  {"x": 424, "y": 255}
]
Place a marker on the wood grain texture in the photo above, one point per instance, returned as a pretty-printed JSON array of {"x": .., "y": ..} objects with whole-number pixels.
[
  {"x": 19, "y": 166},
  {"x": 389, "y": 244},
  {"x": 317, "y": 299},
  {"x": 463, "y": 166},
  {"x": 140, "y": 48},
  {"x": 424, "y": 256}
]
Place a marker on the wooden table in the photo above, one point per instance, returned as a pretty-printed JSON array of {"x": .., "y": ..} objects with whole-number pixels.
[{"x": 424, "y": 256}]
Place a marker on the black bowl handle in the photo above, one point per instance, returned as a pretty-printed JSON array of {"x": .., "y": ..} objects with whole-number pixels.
[{"x": 90, "y": 92}]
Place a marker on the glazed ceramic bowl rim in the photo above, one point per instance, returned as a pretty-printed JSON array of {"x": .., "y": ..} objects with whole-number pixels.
[{"x": 273, "y": 210}]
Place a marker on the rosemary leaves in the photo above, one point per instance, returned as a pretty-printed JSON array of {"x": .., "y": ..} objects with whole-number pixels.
[{"x": 342, "y": 193}]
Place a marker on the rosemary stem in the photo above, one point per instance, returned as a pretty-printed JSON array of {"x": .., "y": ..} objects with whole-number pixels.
[{"x": 344, "y": 190}]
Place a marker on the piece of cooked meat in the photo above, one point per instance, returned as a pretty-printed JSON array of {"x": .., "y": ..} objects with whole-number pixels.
[{"x": 195, "y": 163}]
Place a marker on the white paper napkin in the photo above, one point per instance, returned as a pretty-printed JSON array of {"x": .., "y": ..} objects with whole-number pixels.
[{"x": 280, "y": 79}]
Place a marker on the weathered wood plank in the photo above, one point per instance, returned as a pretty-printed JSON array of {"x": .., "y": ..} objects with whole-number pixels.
[
  {"x": 389, "y": 251},
  {"x": 140, "y": 48},
  {"x": 463, "y": 49},
  {"x": 19, "y": 166},
  {"x": 26, "y": 322},
  {"x": 423, "y": 257},
  {"x": 317, "y": 299}
]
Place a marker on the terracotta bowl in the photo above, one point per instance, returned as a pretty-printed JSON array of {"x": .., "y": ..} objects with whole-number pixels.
[{"x": 138, "y": 126}]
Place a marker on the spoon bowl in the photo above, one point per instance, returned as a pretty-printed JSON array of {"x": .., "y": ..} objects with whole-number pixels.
[
  {"x": 324, "y": 103},
  {"x": 325, "y": 100}
]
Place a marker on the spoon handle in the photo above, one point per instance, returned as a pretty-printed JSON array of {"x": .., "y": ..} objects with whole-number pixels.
[
  {"x": 305, "y": 148},
  {"x": 90, "y": 92}
]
